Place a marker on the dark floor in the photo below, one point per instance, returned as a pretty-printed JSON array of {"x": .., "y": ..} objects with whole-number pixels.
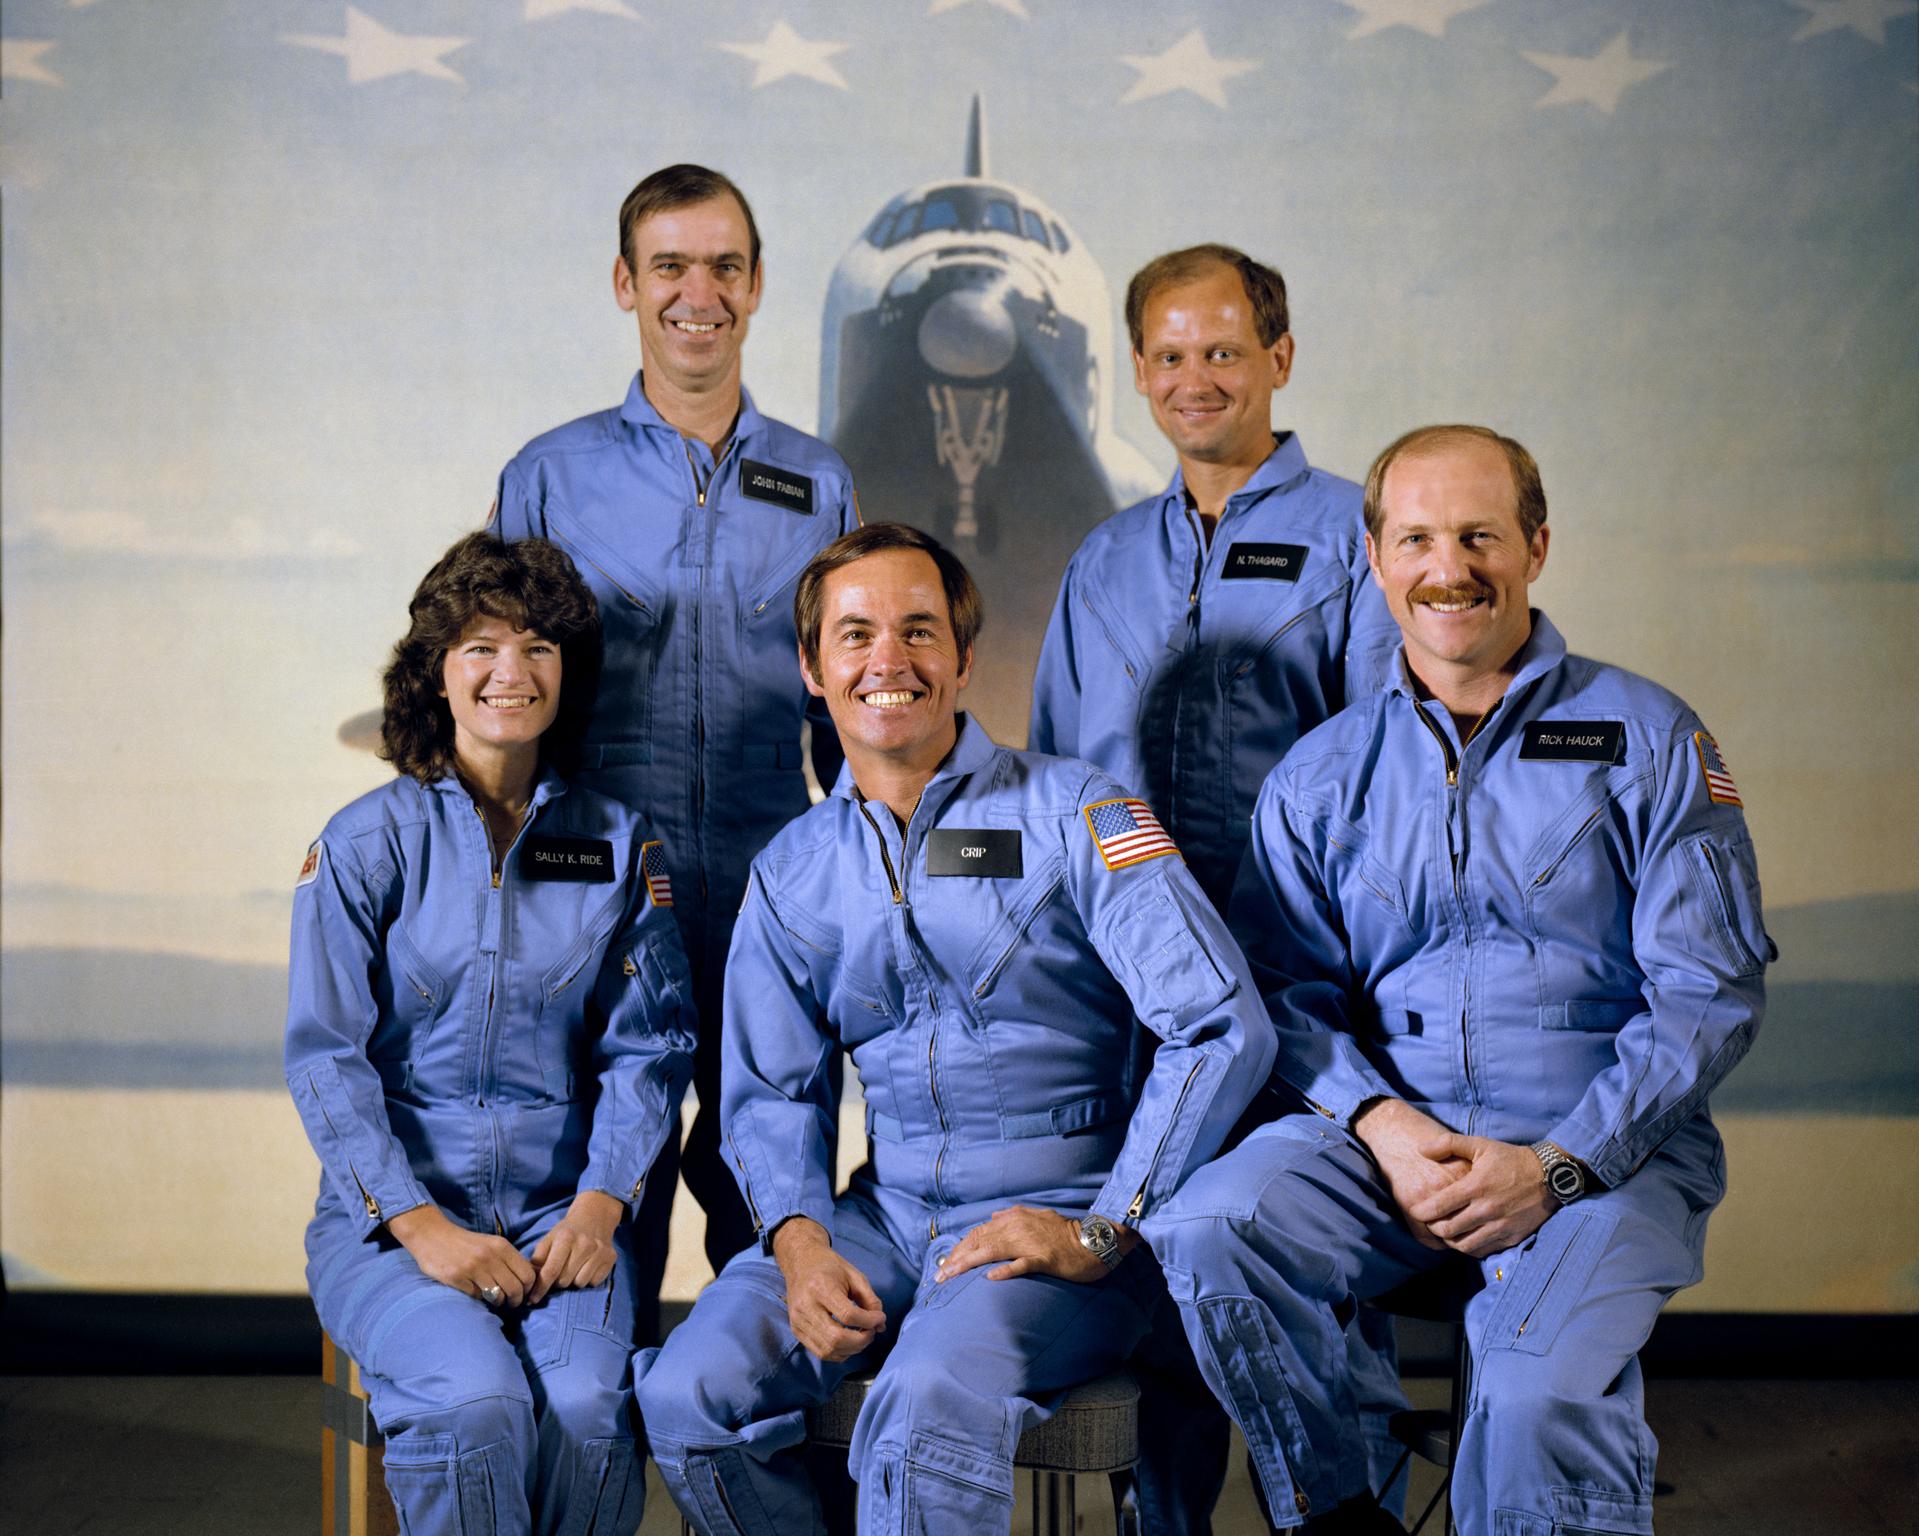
[{"x": 212, "y": 1455}]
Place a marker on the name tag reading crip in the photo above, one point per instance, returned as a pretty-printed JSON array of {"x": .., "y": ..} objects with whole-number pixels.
[
  {"x": 588, "y": 859},
  {"x": 1573, "y": 741},
  {"x": 992, "y": 853},
  {"x": 1264, "y": 562},
  {"x": 782, "y": 487}
]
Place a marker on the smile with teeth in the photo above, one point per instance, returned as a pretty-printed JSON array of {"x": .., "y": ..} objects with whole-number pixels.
[
  {"x": 1460, "y": 599},
  {"x": 889, "y": 699},
  {"x": 517, "y": 702},
  {"x": 697, "y": 327}
]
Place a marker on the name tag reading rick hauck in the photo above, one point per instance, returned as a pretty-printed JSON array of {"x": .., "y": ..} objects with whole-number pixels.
[
  {"x": 989, "y": 852},
  {"x": 1573, "y": 741},
  {"x": 588, "y": 859}
]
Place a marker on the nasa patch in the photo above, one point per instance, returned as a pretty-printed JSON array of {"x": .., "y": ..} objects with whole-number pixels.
[{"x": 310, "y": 866}]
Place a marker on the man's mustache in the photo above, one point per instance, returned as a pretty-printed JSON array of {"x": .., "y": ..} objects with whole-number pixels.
[{"x": 1464, "y": 592}]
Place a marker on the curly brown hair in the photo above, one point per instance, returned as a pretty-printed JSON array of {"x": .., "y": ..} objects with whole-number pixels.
[{"x": 532, "y": 585}]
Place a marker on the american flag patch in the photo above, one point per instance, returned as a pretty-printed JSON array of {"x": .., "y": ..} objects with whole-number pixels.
[
  {"x": 1127, "y": 832},
  {"x": 1720, "y": 788},
  {"x": 659, "y": 887}
]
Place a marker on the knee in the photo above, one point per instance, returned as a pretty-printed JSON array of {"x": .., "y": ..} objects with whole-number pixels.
[
  {"x": 928, "y": 1391},
  {"x": 588, "y": 1400},
  {"x": 690, "y": 1393}
]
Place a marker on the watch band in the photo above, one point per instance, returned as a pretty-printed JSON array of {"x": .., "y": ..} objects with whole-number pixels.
[
  {"x": 1100, "y": 1238},
  {"x": 1565, "y": 1179}
]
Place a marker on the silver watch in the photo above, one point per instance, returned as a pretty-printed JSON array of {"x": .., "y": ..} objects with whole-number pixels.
[
  {"x": 1100, "y": 1238},
  {"x": 1564, "y": 1177}
]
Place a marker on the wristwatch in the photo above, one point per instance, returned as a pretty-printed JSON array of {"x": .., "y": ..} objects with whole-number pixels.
[
  {"x": 1564, "y": 1177},
  {"x": 1100, "y": 1238}
]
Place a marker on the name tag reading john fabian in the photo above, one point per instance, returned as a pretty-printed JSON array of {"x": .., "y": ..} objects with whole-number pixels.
[
  {"x": 990, "y": 852},
  {"x": 588, "y": 859},
  {"x": 1572, "y": 741}
]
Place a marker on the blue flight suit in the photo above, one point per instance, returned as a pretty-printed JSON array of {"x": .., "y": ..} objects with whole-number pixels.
[
  {"x": 491, "y": 1047},
  {"x": 697, "y": 723},
  {"x": 1549, "y": 930},
  {"x": 988, "y": 1016},
  {"x": 1186, "y": 668}
]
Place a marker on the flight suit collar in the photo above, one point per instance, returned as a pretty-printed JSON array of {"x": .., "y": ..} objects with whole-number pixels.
[
  {"x": 1285, "y": 464},
  {"x": 973, "y": 751},
  {"x": 638, "y": 411},
  {"x": 547, "y": 785},
  {"x": 1545, "y": 649}
]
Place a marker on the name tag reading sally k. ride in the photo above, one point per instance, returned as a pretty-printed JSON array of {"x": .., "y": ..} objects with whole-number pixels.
[{"x": 588, "y": 859}]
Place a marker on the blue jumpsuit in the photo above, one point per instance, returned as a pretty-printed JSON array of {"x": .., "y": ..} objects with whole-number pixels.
[
  {"x": 697, "y": 724},
  {"x": 1187, "y": 668},
  {"x": 988, "y": 1017},
  {"x": 1549, "y": 930},
  {"x": 491, "y": 1048}
]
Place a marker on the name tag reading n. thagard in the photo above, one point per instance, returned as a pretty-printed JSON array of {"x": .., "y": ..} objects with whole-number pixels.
[
  {"x": 1573, "y": 741},
  {"x": 588, "y": 859},
  {"x": 1264, "y": 562},
  {"x": 989, "y": 852},
  {"x": 782, "y": 487}
]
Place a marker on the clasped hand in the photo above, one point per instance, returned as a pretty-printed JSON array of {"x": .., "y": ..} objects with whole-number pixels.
[
  {"x": 1468, "y": 1193},
  {"x": 578, "y": 1252}
]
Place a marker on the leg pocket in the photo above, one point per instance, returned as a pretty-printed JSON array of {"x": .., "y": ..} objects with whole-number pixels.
[
  {"x": 609, "y": 1491},
  {"x": 1547, "y": 1278},
  {"x": 422, "y": 1474},
  {"x": 955, "y": 1490}
]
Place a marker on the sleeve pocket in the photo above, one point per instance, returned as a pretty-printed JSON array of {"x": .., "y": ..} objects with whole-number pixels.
[
  {"x": 1727, "y": 886},
  {"x": 1170, "y": 977}
]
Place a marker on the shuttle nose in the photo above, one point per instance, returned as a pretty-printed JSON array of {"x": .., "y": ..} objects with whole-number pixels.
[{"x": 968, "y": 334}]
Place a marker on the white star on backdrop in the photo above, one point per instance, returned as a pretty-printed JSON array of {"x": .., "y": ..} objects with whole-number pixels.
[
  {"x": 372, "y": 52},
  {"x": 539, "y": 10},
  {"x": 1601, "y": 80},
  {"x": 1189, "y": 65},
  {"x": 20, "y": 60},
  {"x": 1011, "y": 7},
  {"x": 1866, "y": 17},
  {"x": 1428, "y": 16},
  {"x": 785, "y": 52}
]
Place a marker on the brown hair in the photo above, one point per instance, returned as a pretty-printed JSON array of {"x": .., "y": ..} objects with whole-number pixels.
[
  {"x": 964, "y": 609},
  {"x": 532, "y": 585},
  {"x": 1527, "y": 486},
  {"x": 679, "y": 186},
  {"x": 1265, "y": 288}
]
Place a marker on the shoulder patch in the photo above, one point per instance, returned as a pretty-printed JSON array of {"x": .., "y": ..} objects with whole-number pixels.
[
  {"x": 659, "y": 886},
  {"x": 1127, "y": 832},
  {"x": 310, "y": 866},
  {"x": 1720, "y": 788}
]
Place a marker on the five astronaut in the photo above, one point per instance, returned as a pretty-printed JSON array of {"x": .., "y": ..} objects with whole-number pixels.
[{"x": 1358, "y": 933}]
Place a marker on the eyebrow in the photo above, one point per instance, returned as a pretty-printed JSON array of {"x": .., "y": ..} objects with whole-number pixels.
[
  {"x": 851, "y": 620},
  {"x": 684, "y": 259}
]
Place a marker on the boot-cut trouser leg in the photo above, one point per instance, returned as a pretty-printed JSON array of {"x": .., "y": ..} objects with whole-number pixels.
[
  {"x": 722, "y": 1402},
  {"x": 1268, "y": 1251},
  {"x": 577, "y": 1349},
  {"x": 1555, "y": 1441},
  {"x": 977, "y": 1362},
  {"x": 447, "y": 1388}
]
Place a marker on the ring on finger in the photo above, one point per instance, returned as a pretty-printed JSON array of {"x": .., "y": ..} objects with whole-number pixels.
[{"x": 492, "y": 1295}]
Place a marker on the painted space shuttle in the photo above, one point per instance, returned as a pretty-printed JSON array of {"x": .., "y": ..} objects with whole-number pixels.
[{"x": 966, "y": 376}]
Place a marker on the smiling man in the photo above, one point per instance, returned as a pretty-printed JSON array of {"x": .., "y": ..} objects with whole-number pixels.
[
  {"x": 1507, "y": 917},
  {"x": 690, "y": 514},
  {"x": 976, "y": 928}
]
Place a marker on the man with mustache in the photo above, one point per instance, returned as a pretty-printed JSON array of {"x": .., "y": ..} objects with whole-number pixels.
[
  {"x": 977, "y": 928},
  {"x": 1506, "y": 915},
  {"x": 690, "y": 514}
]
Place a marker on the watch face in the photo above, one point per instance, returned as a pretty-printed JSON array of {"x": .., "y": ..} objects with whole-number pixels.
[
  {"x": 1566, "y": 1181},
  {"x": 1097, "y": 1233}
]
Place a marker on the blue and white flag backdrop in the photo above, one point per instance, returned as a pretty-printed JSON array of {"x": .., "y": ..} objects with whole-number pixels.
[{"x": 286, "y": 281}]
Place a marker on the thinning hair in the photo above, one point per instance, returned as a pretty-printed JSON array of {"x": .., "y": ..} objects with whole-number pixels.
[
  {"x": 1529, "y": 490},
  {"x": 530, "y": 584},
  {"x": 965, "y": 610},
  {"x": 1265, "y": 288},
  {"x": 680, "y": 186}
]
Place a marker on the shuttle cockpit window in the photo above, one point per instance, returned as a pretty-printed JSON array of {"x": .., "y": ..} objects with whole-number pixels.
[
  {"x": 906, "y": 225},
  {"x": 1060, "y": 242},
  {"x": 964, "y": 208},
  {"x": 1001, "y": 215},
  {"x": 876, "y": 231},
  {"x": 940, "y": 214},
  {"x": 1035, "y": 225}
]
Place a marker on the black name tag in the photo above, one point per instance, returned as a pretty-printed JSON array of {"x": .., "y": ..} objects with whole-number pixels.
[
  {"x": 567, "y": 858},
  {"x": 992, "y": 853},
  {"x": 1573, "y": 741},
  {"x": 1264, "y": 562},
  {"x": 768, "y": 482}
]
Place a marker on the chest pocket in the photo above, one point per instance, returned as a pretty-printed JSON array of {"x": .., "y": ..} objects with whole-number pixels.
[
  {"x": 418, "y": 996},
  {"x": 1097, "y": 615},
  {"x": 1006, "y": 937},
  {"x": 560, "y": 1038},
  {"x": 1367, "y": 894},
  {"x": 1575, "y": 873},
  {"x": 631, "y": 609}
]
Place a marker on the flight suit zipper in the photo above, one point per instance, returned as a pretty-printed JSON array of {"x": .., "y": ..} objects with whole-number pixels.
[
  {"x": 1134, "y": 1210},
  {"x": 699, "y": 639},
  {"x": 1459, "y": 894},
  {"x": 746, "y": 1188},
  {"x": 372, "y": 1206},
  {"x": 886, "y": 860}
]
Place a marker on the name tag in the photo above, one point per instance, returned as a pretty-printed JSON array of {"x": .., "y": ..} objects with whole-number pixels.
[
  {"x": 567, "y": 858},
  {"x": 1264, "y": 562},
  {"x": 1573, "y": 741},
  {"x": 782, "y": 487},
  {"x": 990, "y": 853}
]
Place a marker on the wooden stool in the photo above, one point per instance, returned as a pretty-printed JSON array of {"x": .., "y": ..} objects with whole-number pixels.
[
  {"x": 353, "y": 1496},
  {"x": 1096, "y": 1429}
]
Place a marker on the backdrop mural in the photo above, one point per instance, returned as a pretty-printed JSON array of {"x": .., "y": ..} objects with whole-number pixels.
[{"x": 286, "y": 282}]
